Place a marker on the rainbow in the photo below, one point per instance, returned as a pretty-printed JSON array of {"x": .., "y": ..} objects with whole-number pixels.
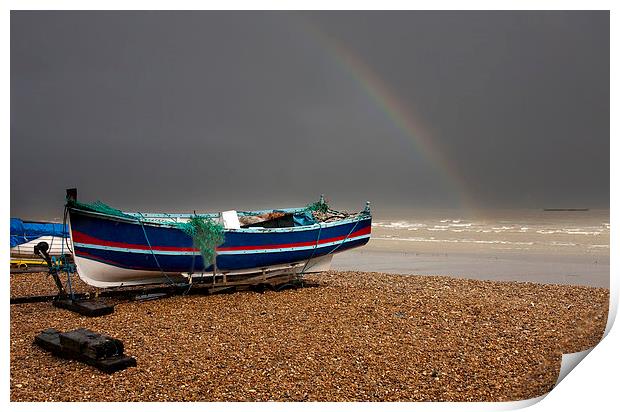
[{"x": 402, "y": 116}]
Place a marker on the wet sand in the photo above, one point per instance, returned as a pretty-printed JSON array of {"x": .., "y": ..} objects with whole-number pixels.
[
  {"x": 357, "y": 337},
  {"x": 483, "y": 265}
]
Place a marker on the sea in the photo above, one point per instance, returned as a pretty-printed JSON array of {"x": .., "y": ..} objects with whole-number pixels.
[{"x": 561, "y": 247}]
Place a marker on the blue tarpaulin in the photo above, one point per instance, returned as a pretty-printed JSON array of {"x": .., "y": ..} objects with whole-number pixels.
[
  {"x": 304, "y": 218},
  {"x": 24, "y": 231}
]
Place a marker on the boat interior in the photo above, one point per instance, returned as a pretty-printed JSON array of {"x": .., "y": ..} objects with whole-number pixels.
[{"x": 267, "y": 219}]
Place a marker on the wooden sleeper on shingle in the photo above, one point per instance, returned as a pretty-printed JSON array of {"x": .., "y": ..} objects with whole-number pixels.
[{"x": 101, "y": 351}]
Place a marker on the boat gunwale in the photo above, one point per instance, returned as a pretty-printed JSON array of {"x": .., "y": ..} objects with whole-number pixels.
[
  {"x": 214, "y": 215},
  {"x": 359, "y": 217}
]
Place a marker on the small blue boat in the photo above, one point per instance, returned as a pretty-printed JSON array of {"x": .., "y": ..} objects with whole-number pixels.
[{"x": 113, "y": 248}]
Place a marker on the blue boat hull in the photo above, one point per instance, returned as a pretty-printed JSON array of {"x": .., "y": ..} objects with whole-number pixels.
[{"x": 113, "y": 251}]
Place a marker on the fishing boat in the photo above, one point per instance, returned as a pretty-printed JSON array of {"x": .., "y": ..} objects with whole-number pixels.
[{"x": 113, "y": 248}]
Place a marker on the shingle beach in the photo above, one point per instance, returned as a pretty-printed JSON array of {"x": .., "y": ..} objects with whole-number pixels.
[{"x": 359, "y": 336}]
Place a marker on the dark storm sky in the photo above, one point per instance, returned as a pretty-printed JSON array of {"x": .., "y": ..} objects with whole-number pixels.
[{"x": 204, "y": 110}]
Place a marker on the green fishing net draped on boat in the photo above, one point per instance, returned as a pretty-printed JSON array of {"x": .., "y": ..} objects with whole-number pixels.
[
  {"x": 320, "y": 206},
  {"x": 99, "y": 207},
  {"x": 206, "y": 234}
]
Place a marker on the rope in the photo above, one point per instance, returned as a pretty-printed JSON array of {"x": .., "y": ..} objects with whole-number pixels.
[
  {"x": 152, "y": 252},
  {"x": 313, "y": 250},
  {"x": 62, "y": 254},
  {"x": 346, "y": 237},
  {"x": 191, "y": 273},
  {"x": 335, "y": 248},
  {"x": 65, "y": 228}
]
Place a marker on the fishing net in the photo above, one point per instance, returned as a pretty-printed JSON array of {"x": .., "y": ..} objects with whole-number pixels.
[
  {"x": 319, "y": 207},
  {"x": 206, "y": 234},
  {"x": 318, "y": 210},
  {"x": 99, "y": 207}
]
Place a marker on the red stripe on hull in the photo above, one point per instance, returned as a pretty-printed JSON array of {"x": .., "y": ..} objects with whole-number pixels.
[
  {"x": 360, "y": 232},
  {"x": 79, "y": 237}
]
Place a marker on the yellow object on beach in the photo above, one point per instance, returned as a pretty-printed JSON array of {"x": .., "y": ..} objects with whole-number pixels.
[{"x": 24, "y": 263}]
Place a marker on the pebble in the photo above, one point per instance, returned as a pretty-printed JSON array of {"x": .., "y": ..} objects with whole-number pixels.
[{"x": 359, "y": 336}]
